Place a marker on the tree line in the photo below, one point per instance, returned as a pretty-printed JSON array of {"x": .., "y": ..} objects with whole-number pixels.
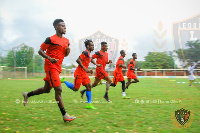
[{"x": 154, "y": 60}]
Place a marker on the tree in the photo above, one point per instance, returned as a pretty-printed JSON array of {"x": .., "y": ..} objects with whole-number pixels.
[
  {"x": 158, "y": 60},
  {"x": 191, "y": 53}
]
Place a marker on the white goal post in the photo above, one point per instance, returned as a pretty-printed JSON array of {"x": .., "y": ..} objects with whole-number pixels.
[{"x": 11, "y": 72}]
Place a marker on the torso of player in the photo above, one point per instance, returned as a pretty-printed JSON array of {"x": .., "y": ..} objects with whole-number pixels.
[
  {"x": 120, "y": 60},
  {"x": 131, "y": 63},
  {"x": 85, "y": 60},
  {"x": 102, "y": 58},
  {"x": 191, "y": 70},
  {"x": 55, "y": 47}
]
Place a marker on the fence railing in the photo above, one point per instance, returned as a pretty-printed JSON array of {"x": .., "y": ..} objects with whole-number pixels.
[{"x": 21, "y": 72}]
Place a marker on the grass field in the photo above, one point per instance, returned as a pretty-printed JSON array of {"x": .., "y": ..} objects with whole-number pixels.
[{"x": 119, "y": 116}]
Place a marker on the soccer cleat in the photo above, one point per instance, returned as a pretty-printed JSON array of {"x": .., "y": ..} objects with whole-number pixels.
[
  {"x": 125, "y": 97},
  {"x": 69, "y": 118},
  {"x": 82, "y": 93},
  {"x": 90, "y": 106},
  {"x": 62, "y": 80},
  {"x": 25, "y": 98},
  {"x": 107, "y": 99}
]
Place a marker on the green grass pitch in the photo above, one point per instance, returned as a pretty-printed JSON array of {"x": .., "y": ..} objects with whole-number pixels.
[{"x": 142, "y": 113}]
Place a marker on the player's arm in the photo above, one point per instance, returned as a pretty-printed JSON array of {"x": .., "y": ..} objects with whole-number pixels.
[
  {"x": 43, "y": 54},
  {"x": 67, "y": 50},
  {"x": 131, "y": 68},
  {"x": 81, "y": 65},
  {"x": 93, "y": 62},
  {"x": 43, "y": 48},
  {"x": 123, "y": 66},
  {"x": 110, "y": 61}
]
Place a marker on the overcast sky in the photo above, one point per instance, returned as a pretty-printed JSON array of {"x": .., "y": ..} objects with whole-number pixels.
[{"x": 30, "y": 21}]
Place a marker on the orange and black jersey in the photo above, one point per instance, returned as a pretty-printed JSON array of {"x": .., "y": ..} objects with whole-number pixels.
[
  {"x": 120, "y": 60},
  {"x": 102, "y": 58},
  {"x": 85, "y": 60},
  {"x": 131, "y": 64},
  {"x": 55, "y": 47}
]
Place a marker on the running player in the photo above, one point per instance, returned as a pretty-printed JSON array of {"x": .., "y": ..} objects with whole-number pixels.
[
  {"x": 54, "y": 49},
  {"x": 81, "y": 76},
  {"x": 118, "y": 75},
  {"x": 130, "y": 73},
  {"x": 191, "y": 76},
  {"x": 102, "y": 58}
]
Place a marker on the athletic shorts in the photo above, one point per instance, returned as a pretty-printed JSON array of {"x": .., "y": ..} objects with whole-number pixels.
[
  {"x": 101, "y": 74},
  {"x": 81, "y": 79},
  {"x": 118, "y": 77},
  {"x": 131, "y": 75},
  {"x": 53, "y": 78}
]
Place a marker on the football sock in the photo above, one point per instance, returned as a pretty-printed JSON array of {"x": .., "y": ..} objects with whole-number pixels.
[
  {"x": 69, "y": 85},
  {"x": 83, "y": 91},
  {"x": 89, "y": 96},
  {"x": 62, "y": 110},
  {"x": 123, "y": 86},
  {"x": 106, "y": 94},
  {"x": 123, "y": 93},
  {"x": 30, "y": 94}
]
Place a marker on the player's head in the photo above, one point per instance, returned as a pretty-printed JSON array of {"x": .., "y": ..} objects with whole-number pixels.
[
  {"x": 104, "y": 46},
  {"x": 134, "y": 55},
  {"x": 59, "y": 26},
  {"x": 89, "y": 45},
  {"x": 122, "y": 52}
]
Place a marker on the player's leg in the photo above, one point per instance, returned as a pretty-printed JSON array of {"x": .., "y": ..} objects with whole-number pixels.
[
  {"x": 135, "y": 80},
  {"x": 89, "y": 96},
  {"x": 107, "y": 87},
  {"x": 94, "y": 84},
  {"x": 121, "y": 79},
  {"x": 66, "y": 117},
  {"x": 114, "y": 80},
  {"x": 46, "y": 89},
  {"x": 128, "y": 83}
]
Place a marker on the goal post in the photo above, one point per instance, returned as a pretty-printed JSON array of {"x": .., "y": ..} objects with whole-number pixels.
[{"x": 11, "y": 72}]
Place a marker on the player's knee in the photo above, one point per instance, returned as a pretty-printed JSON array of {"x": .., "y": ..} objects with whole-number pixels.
[
  {"x": 109, "y": 81},
  {"x": 46, "y": 90},
  {"x": 58, "y": 90}
]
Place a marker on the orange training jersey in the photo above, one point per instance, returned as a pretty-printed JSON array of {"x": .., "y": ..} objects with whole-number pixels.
[
  {"x": 55, "y": 47},
  {"x": 120, "y": 60},
  {"x": 102, "y": 58},
  {"x": 85, "y": 59},
  {"x": 131, "y": 63}
]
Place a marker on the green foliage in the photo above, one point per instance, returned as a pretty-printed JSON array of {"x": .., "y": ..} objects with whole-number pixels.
[
  {"x": 158, "y": 60},
  {"x": 190, "y": 54},
  {"x": 24, "y": 58}
]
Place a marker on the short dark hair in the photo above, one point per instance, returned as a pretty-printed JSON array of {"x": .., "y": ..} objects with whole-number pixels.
[
  {"x": 133, "y": 54},
  {"x": 102, "y": 43},
  {"x": 87, "y": 42},
  {"x": 56, "y": 21},
  {"x": 122, "y": 51}
]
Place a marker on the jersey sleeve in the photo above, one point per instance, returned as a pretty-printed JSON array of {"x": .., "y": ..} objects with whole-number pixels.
[
  {"x": 121, "y": 61},
  {"x": 45, "y": 44},
  {"x": 96, "y": 55},
  {"x": 84, "y": 55}
]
